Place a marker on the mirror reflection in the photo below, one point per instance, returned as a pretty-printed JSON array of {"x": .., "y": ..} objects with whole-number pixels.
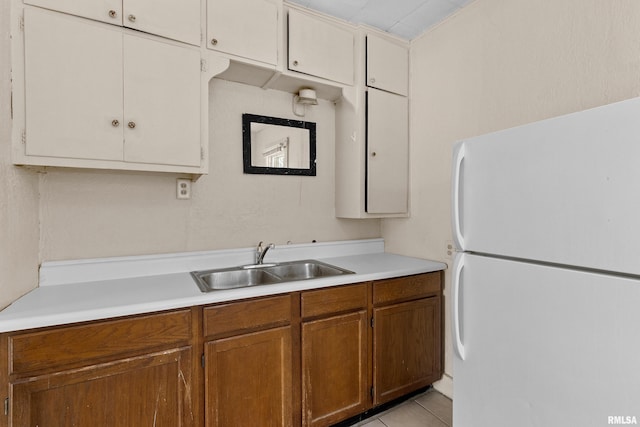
[{"x": 278, "y": 146}]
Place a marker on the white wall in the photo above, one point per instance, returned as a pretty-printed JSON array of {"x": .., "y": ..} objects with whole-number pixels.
[
  {"x": 498, "y": 64},
  {"x": 18, "y": 194},
  {"x": 96, "y": 214}
]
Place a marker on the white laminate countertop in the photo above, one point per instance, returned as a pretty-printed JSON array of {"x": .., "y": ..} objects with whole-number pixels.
[{"x": 79, "y": 301}]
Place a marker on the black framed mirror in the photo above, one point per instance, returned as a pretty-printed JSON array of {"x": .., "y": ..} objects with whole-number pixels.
[{"x": 275, "y": 146}]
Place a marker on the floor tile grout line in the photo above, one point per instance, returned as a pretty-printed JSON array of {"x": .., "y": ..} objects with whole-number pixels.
[{"x": 432, "y": 413}]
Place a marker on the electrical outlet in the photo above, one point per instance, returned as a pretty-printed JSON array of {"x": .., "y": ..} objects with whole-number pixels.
[
  {"x": 183, "y": 188},
  {"x": 451, "y": 249}
]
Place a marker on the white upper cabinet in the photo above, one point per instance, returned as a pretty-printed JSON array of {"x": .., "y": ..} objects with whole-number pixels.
[
  {"x": 73, "y": 73},
  {"x": 99, "y": 93},
  {"x": 162, "y": 99},
  {"x": 387, "y": 153},
  {"x": 320, "y": 48},
  {"x": 246, "y": 28},
  {"x": 177, "y": 20},
  {"x": 387, "y": 65}
]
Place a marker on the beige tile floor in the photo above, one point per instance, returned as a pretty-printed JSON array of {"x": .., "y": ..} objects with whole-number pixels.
[{"x": 430, "y": 409}]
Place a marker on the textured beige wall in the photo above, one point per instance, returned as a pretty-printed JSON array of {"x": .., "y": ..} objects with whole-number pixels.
[
  {"x": 18, "y": 194},
  {"x": 96, "y": 214},
  {"x": 498, "y": 64}
]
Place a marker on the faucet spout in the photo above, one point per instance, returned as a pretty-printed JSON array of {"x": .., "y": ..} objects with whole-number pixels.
[{"x": 260, "y": 252}]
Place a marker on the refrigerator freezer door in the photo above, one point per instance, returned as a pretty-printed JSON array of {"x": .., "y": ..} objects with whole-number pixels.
[
  {"x": 564, "y": 190},
  {"x": 545, "y": 346}
]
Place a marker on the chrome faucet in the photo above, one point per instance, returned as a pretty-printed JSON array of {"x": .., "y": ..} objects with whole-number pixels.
[{"x": 261, "y": 252}]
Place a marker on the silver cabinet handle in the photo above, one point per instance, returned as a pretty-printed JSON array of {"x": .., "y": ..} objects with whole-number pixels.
[
  {"x": 214, "y": 42},
  {"x": 132, "y": 18},
  {"x": 115, "y": 123},
  {"x": 131, "y": 125}
]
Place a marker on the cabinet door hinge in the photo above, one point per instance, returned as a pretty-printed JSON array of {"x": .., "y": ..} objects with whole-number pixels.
[
  {"x": 203, "y": 65},
  {"x": 201, "y": 153},
  {"x": 372, "y": 321},
  {"x": 6, "y": 406},
  {"x": 21, "y": 23},
  {"x": 24, "y": 136},
  {"x": 202, "y": 360},
  {"x": 371, "y": 392}
]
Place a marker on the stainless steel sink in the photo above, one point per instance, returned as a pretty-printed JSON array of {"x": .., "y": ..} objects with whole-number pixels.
[
  {"x": 308, "y": 269},
  {"x": 256, "y": 275}
]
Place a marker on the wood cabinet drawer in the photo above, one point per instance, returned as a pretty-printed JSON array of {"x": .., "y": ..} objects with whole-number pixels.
[
  {"x": 334, "y": 300},
  {"x": 85, "y": 344},
  {"x": 247, "y": 315},
  {"x": 406, "y": 288}
]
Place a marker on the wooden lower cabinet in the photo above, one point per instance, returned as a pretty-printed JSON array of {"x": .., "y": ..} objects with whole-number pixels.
[
  {"x": 407, "y": 335},
  {"x": 248, "y": 380},
  {"x": 151, "y": 390},
  {"x": 311, "y": 358},
  {"x": 406, "y": 340},
  {"x": 335, "y": 383},
  {"x": 248, "y": 363},
  {"x": 124, "y": 372}
]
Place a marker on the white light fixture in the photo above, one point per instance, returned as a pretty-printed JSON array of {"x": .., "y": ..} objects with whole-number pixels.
[{"x": 304, "y": 97}]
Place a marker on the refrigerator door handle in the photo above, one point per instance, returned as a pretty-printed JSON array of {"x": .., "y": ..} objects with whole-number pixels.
[
  {"x": 458, "y": 266},
  {"x": 456, "y": 180}
]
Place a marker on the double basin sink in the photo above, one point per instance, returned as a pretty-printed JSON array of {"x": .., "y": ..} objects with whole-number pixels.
[{"x": 264, "y": 274}]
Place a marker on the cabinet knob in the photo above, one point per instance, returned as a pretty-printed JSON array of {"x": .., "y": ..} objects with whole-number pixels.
[
  {"x": 131, "y": 125},
  {"x": 115, "y": 123},
  {"x": 214, "y": 42},
  {"x": 372, "y": 80},
  {"x": 374, "y": 154},
  {"x": 132, "y": 18},
  {"x": 295, "y": 63},
  {"x": 113, "y": 13}
]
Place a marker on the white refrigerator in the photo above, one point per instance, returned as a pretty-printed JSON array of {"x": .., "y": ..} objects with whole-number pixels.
[{"x": 546, "y": 281}]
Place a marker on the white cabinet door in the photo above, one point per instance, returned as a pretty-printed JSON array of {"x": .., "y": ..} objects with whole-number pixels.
[
  {"x": 387, "y": 65},
  {"x": 73, "y": 83},
  {"x": 109, "y": 11},
  {"x": 387, "y": 153},
  {"x": 162, "y": 102},
  {"x": 247, "y": 28},
  {"x": 320, "y": 48},
  {"x": 177, "y": 20}
]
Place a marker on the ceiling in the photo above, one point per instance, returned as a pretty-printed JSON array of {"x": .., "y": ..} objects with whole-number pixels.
[{"x": 405, "y": 18}]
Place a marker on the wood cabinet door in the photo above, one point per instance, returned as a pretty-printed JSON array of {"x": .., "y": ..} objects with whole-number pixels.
[
  {"x": 247, "y": 28},
  {"x": 161, "y": 102},
  {"x": 387, "y": 65},
  {"x": 320, "y": 48},
  {"x": 335, "y": 368},
  {"x": 177, "y": 20},
  {"x": 407, "y": 347},
  {"x": 73, "y": 83},
  {"x": 149, "y": 390},
  {"x": 248, "y": 380},
  {"x": 387, "y": 159}
]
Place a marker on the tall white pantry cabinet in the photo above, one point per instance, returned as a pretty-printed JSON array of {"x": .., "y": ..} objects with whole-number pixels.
[{"x": 372, "y": 137}]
